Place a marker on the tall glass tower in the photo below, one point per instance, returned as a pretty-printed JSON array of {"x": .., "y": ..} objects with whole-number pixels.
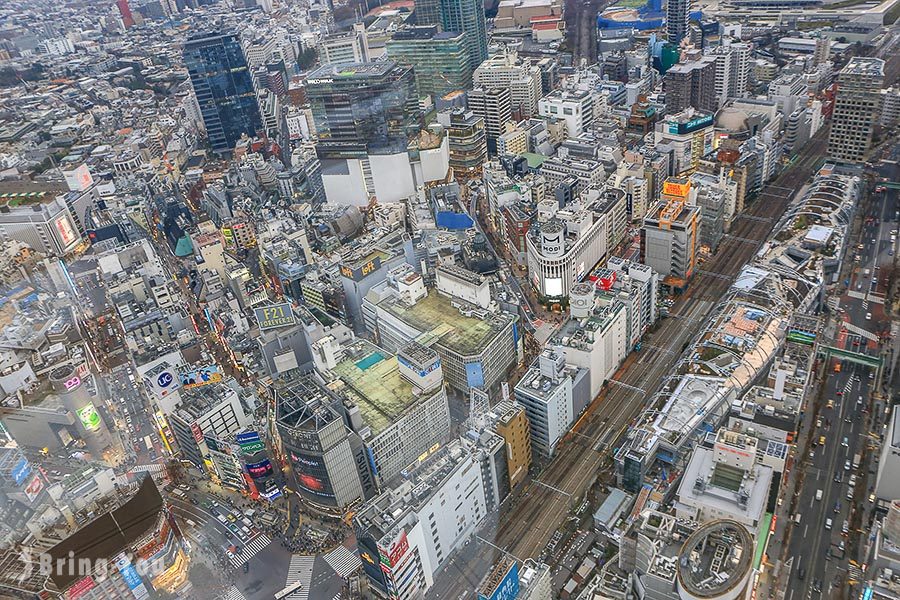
[
  {"x": 223, "y": 86},
  {"x": 467, "y": 17},
  {"x": 363, "y": 108}
]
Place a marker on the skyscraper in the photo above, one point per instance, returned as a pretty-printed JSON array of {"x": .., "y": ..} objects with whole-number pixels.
[
  {"x": 677, "y": 20},
  {"x": 428, "y": 12},
  {"x": 691, "y": 84},
  {"x": 440, "y": 61},
  {"x": 223, "y": 86},
  {"x": 467, "y": 17},
  {"x": 363, "y": 108},
  {"x": 856, "y": 109}
]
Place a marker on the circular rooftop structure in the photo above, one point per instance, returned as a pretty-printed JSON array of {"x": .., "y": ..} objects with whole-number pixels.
[
  {"x": 732, "y": 119},
  {"x": 716, "y": 561}
]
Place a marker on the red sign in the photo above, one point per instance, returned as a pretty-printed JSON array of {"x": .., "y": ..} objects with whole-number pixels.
[
  {"x": 80, "y": 588},
  {"x": 398, "y": 549},
  {"x": 605, "y": 283},
  {"x": 198, "y": 433}
]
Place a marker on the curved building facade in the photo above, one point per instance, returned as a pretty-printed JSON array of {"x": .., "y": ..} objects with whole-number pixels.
[
  {"x": 70, "y": 388},
  {"x": 716, "y": 562},
  {"x": 326, "y": 463},
  {"x": 565, "y": 249}
]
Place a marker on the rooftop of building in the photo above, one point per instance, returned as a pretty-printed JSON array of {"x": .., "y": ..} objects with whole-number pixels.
[
  {"x": 303, "y": 403},
  {"x": 456, "y": 325},
  {"x": 110, "y": 533},
  {"x": 577, "y": 333},
  {"x": 538, "y": 385},
  {"x": 424, "y": 33},
  {"x": 716, "y": 559},
  {"x": 352, "y": 70},
  {"x": 383, "y": 514},
  {"x": 864, "y": 65},
  {"x": 371, "y": 379},
  {"x": 198, "y": 401}
]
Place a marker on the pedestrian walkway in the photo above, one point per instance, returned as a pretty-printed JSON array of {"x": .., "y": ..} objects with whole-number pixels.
[
  {"x": 301, "y": 570},
  {"x": 250, "y": 549},
  {"x": 860, "y": 331},
  {"x": 234, "y": 594},
  {"x": 154, "y": 468},
  {"x": 344, "y": 561}
]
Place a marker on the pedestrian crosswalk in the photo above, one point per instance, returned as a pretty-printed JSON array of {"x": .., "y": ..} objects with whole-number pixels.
[
  {"x": 250, "y": 549},
  {"x": 343, "y": 561},
  {"x": 233, "y": 593},
  {"x": 151, "y": 468},
  {"x": 301, "y": 569}
]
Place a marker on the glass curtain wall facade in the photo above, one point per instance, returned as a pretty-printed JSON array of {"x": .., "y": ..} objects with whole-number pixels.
[
  {"x": 223, "y": 86},
  {"x": 467, "y": 16},
  {"x": 363, "y": 108}
]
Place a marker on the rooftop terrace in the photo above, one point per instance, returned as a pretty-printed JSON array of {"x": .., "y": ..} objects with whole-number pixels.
[
  {"x": 439, "y": 318},
  {"x": 373, "y": 381}
]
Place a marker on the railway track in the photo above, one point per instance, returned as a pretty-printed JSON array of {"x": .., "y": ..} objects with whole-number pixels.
[{"x": 529, "y": 521}]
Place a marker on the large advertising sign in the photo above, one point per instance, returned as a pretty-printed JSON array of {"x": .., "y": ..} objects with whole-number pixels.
[
  {"x": 312, "y": 476},
  {"x": 259, "y": 469},
  {"x": 66, "y": 232},
  {"x": 249, "y": 442},
  {"x": 21, "y": 471},
  {"x": 508, "y": 588},
  {"x": 132, "y": 578},
  {"x": 391, "y": 557},
  {"x": 274, "y": 315},
  {"x": 80, "y": 588},
  {"x": 165, "y": 382},
  {"x": 368, "y": 553},
  {"x": 360, "y": 272},
  {"x": 34, "y": 488},
  {"x": 198, "y": 433},
  {"x": 680, "y": 190},
  {"x": 269, "y": 489},
  {"x": 200, "y": 377},
  {"x": 692, "y": 125},
  {"x": 89, "y": 417}
]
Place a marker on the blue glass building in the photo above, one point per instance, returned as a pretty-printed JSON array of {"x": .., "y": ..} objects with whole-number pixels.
[{"x": 223, "y": 86}]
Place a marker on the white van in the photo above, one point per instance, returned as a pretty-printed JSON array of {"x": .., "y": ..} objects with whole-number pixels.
[
  {"x": 797, "y": 519},
  {"x": 818, "y": 494},
  {"x": 828, "y": 524}
]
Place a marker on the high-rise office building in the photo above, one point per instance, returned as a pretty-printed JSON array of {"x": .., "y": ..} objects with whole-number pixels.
[
  {"x": 677, "y": 12},
  {"x": 691, "y": 84},
  {"x": 361, "y": 108},
  {"x": 856, "y": 109},
  {"x": 468, "y": 143},
  {"x": 428, "y": 12},
  {"x": 223, "y": 86},
  {"x": 493, "y": 106},
  {"x": 509, "y": 70},
  {"x": 440, "y": 60},
  {"x": 467, "y": 16}
]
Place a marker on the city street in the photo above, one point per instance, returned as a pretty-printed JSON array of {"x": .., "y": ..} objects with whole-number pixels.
[{"x": 848, "y": 418}]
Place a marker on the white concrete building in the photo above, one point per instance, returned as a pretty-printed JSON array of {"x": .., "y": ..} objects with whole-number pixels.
[
  {"x": 725, "y": 482},
  {"x": 565, "y": 248},
  {"x": 458, "y": 282},
  {"x": 545, "y": 391},
  {"x": 576, "y": 108},
  {"x": 352, "y": 47},
  {"x": 522, "y": 79},
  {"x": 405, "y": 535},
  {"x": 596, "y": 337}
]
